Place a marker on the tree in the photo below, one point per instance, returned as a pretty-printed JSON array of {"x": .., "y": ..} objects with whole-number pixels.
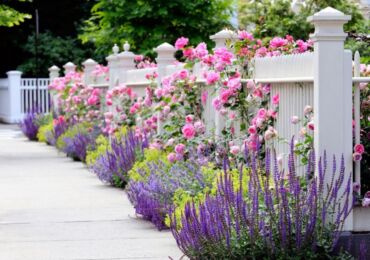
[
  {"x": 10, "y": 16},
  {"x": 53, "y": 50},
  {"x": 148, "y": 23}
]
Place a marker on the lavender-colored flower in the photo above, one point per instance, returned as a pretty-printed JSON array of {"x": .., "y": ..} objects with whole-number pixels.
[
  {"x": 113, "y": 166},
  {"x": 261, "y": 223},
  {"x": 29, "y": 125},
  {"x": 153, "y": 196}
]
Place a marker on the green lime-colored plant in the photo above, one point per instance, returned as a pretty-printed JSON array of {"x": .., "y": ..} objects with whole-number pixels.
[{"x": 150, "y": 155}]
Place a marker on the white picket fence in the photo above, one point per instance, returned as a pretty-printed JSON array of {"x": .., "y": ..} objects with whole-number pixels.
[{"x": 20, "y": 95}]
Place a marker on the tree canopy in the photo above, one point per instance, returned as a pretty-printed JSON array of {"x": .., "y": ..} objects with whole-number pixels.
[
  {"x": 146, "y": 24},
  {"x": 10, "y": 16}
]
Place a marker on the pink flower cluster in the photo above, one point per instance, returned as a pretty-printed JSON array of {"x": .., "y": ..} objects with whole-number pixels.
[{"x": 359, "y": 149}]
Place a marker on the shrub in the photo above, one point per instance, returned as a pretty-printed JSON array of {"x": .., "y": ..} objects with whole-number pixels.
[
  {"x": 77, "y": 140},
  {"x": 153, "y": 195},
  {"x": 32, "y": 122},
  {"x": 288, "y": 221},
  {"x": 113, "y": 165},
  {"x": 29, "y": 125}
]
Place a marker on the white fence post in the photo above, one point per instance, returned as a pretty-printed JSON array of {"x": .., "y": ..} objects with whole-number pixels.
[
  {"x": 14, "y": 83},
  {"x": 53, "y": 73},
  {"x": 332, "y": 91},
  {"x": 113, "y": 67},
  {"x": 69, "y": 67},
  {"x": 165, "y": 57},
  {"x": 89, "y": 66},
  {"x": 125, "y": 62},
  {"x": 357, "y": 114},
  {"x": 221, "y": 39}
]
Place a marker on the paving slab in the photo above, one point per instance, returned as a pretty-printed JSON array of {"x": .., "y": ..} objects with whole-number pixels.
[{"x": 54, "y": 208}]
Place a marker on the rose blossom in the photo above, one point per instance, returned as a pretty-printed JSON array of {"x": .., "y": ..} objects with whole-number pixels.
[
  {"x": 212, "y": 77},
  {"x": 357, "y": 157},
  {"x": 171, "y": 157},
  {"x": 200, "y": 127},
  {"x": 294, "y": 120},
  {"x": 252, "y": 130},
  {"x": 307, "y": 110},
  {"x": 180, "y": 148},
  {"x": 234, "y": 149},
  {"x": 181, "y": 42},
  {"x": 189, "y": 119},
  {"x": 188, "y": 131},
  {"x": 276, "y": 99},
  {"x": 359, "y": 148},
  {"x": 311, "y": 125}
]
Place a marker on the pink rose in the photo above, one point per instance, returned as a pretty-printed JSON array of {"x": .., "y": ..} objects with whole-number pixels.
[
  {"x": 180, "y": 148},
  {"x": 109, "y": 102},
  {"x": 201, "y": 50},
  {"x": 181, "y": 43},
  {"x": 171, "y": 157},
  {"x": 262, "y": 113},
  {"x": 357, "y": 157},
  {"x": 183, "y": 74},
  {"x": 276, "y": 99},
  {"x": 252, "y": 130},
  {"x": 234, "y": 149},
  {"x": 188, "y": 131},
  {"x": 311, "y": 125},
  {"x": 359, "y": 148},
  {"x": 294, "y": 120},
  {"x": 212, "y": 77},
  {"x": 244, "y": 35},
  {"x": 307, "y": 110},
  {"x": 189, "y": 119},
  {"x": 92, "y": 100},
  {"x": 200, "y": 127}
]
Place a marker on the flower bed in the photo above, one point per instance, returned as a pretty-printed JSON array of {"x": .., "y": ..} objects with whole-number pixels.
[{"x": 224, "y": 195}]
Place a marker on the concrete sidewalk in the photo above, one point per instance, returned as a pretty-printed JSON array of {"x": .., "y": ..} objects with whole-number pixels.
[{"x": 54, "y": 208}]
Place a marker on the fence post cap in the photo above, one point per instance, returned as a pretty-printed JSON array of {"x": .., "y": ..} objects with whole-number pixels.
[
  {"x": 329, "y": 25},
  {"x": 54, "y": 68},
  {"x": 89, "y": 62},
  {"x": 14, "y": 73},
  {"x": 165, "y": 47},
  {"x": 115, "y": 49},
  {"x": 224, "y": 34},
  {"x": 329, "y": 14},
  {"x": 69, "y": 65}
]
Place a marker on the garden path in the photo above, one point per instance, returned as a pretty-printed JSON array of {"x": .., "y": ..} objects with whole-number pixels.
[{"x": 54, "y": 208}]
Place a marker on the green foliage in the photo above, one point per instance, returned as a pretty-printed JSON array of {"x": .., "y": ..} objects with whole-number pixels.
[
  {"x": 146, "y": 24},
  {"x": 275, "y": 18},
  {"x": 46, "y": 128},
  {"x": 53, "y": 50},
  {"x": 150, "y": 155},
  {"x": 102, "y": 145},
  {"x": 211, "y": 175},
  {"x": 71, "y": 132},
  {"x": 10, "y": 17}
]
